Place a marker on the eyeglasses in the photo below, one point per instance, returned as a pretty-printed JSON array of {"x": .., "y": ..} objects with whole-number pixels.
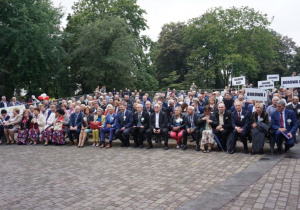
[{"x": 156, "y": 107}]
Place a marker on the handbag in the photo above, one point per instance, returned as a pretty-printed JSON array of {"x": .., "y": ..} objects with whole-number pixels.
[
  {"x": 95, "y": 125},
  {"x": 58, "y": 126}
]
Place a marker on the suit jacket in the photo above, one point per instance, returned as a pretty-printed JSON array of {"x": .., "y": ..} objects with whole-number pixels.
[
  {"x": 244, "y": 123},
  {"x": 151, "y": 110},
  {"x": 296, "y": 110},
  {"x": 291, "y": 126},
  {"x": 125, "y": 121},
  {"x": 144, "y": 119},
  {"x": 173, "y": 122},
  {"x": 227, "y": 120},
  {"x": 2, "y": 104},
  {"x": 187, "y": 120},
  {"x": 17, "y": 103},
  {"x": 77, "y": 123},
  {"x": 110, "y": 119},
  {"x": 41, "y": 121},
  {"x": 264, "y": 117},
  {"x": 163, "y": 120},
  {"x": 212, "y": 117}
]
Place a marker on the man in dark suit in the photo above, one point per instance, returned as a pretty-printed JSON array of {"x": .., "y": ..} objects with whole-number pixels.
[
  {"x": 124, "y": 124},
  {"x": 228, "y": 101},
  {"x": 140, "y": 125},
  {"x": 170, "y": 109},
  {"x": 224, "y": 127},
  {"x": 191, "y": 128},
  {"x": 295, "y": 106},
  {"x": 75, "y": 125},
  {"x": 284, "y": 120},
  {"x": 240, "y": 120},
  {"x": 148, "y": 108},
  {"x": 3, "y": 102},
  {"x": 158, "y": 124}
]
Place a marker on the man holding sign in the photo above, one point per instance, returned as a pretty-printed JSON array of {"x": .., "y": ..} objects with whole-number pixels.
[{"x": 284, "y": 124}]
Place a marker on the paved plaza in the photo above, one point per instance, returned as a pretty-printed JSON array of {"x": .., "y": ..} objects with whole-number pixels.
[{"x": 64, "y": 177}]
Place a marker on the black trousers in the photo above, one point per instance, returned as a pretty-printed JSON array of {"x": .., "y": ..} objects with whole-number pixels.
[
  {"x": 123, "y": 136},
  {"x": 138, "y": 135},
  {"x": 163, "y": 132},
  {"x": 242, "y": 135},
  {"x": 222, "y": 136},
  {"x": 196, "y": 134}
]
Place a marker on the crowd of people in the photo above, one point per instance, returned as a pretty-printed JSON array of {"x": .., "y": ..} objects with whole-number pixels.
[{"x": 210, "y": 118}]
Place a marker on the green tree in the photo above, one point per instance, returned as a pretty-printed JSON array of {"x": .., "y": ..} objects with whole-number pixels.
[
  {"x": 86, "y": 12},
  {"x": 30, "y": 46},
  {"x": 171, "y": 54},
  {"x": 104, "y": 52},
  {"x": 229, "y": 42}
]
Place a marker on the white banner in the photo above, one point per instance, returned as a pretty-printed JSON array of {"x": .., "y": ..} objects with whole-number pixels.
[
  {"x": 256, "y": 94},
  {"x": 273, "y": 77},
  {"x": 266, "y": 84},
  {"x": 238, "y": 81},
  {"x": 290, "y": 82},
  {"x": 11, "y": 108}
]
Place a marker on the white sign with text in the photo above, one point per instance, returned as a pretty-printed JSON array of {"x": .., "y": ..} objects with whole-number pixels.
[
  {"x": 256, "y": 94},
  {"x": 238, "y": 81}
]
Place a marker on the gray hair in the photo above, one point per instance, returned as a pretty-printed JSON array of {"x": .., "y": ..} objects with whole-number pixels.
[
  {"x": 139, "y": 105},
  {"x": 275, "y": 97},
  {"x": 148, "y": 102},
  {"x": 109, "y": 106},
  {"x": 281, "y": 102}
]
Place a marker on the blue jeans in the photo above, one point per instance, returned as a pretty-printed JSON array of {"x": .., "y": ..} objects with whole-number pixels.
[{"x": 111, "y": 132}]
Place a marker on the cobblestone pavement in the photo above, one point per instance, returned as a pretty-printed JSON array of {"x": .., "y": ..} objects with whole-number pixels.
[
  {"x": 277, "y": 189},
  {"x": 63, "y": 177}
]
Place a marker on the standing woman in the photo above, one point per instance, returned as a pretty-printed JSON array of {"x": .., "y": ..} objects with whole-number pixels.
[
  {"x": 59, "y": 127},
  {"x": 177, "y": 126},
  {"x": 100, "y": 119},
  {"x": 37, "y": 126},
  {"x": 3, "y": 119},
  {"x": 85, "y": 126},
  {"x": 207, "y": 122},
  {"x": 12, "y": 126},
  {"x": 24, "y": 127}
]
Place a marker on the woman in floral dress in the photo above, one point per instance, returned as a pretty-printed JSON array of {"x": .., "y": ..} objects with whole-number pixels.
[
  {"x": 37, "y": 126},
  {"x": 207, "y": 122},
  {"x": 24, "y": 128},
  {"x": 59, "y": 125}
]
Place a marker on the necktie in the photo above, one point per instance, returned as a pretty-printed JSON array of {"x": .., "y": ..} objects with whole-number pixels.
[
  {"x": 76, "y": 118},
  {"x": 139, "y": 121},
  {"x": 192, "y": 122},
  {"x": 281, "y": 120},
  {"x": 239, "y": 116}
]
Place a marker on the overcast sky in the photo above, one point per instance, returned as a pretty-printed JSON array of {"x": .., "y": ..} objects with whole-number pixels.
[{"x": 286, "y": 12}]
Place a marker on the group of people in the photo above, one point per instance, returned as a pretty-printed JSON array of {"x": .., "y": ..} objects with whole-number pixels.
[{"x": 209, "y": 118}]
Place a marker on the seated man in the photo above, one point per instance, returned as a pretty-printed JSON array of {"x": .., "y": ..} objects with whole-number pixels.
[
  {"x": 75, "y": 125},
  {"x": 124, "y": 124},
  {"x": 140, "y": 125},
  {"x": 148, "y": 108},
  {"x": 223, "y": 129},
  {"x": 295, "y": 107},
  {"x": 284, "y": 120},
  {"x": 240, "y": 120},
  {"x": 158, "y": 124},
  {"x": 109, "y": 126},
  {"x": 191, "y": 128}
]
